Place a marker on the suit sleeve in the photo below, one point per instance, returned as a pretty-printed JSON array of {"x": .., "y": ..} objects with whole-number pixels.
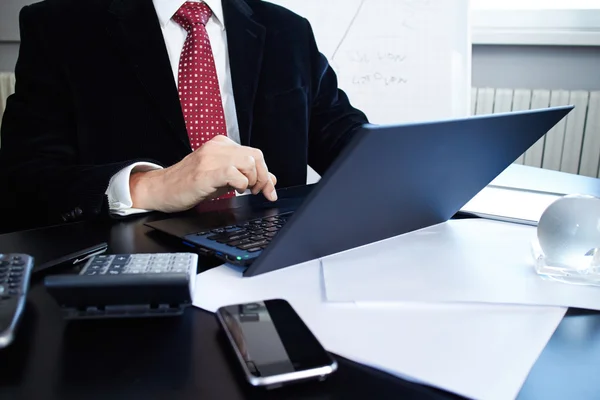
[
  {"x": 333, "y": 120},
  {"x": 43, "y": 179}
]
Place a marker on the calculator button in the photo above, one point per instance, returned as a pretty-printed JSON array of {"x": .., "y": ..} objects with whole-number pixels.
[
  {"x": 91, "y": 272},
  {"x": 102, "y": 257},
  {"x": 18, "y": 262},
  {"x": 130, "y": 270},
  {"x": 180, "y": 264},
  {"x": 114, "y": 272},
  {"x": 102, "y": 263},
  {"x": 4, "y": 263},
  {"x": 121, "y": 259},
  {"x": 17, "y": 269},
  {"x": 13, "y": 292}
]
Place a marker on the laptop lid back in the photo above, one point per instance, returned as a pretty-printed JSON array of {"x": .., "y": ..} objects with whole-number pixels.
[{"x": 396, "y": 179}]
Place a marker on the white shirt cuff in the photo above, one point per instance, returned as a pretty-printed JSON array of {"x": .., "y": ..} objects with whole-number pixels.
[{"x": 119, "y": 196}]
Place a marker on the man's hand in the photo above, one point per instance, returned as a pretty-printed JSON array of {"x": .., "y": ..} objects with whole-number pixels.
[{"x": 217, "y": 167}]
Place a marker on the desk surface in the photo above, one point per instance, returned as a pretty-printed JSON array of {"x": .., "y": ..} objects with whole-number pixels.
[{"x": 185, "y": 357}]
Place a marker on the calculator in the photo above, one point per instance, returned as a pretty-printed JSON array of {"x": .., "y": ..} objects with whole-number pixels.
[{"x": 126, "y": 285}]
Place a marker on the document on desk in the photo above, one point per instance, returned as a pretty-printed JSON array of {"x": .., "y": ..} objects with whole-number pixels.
[
  {"x": 510, "y": 204},
  {"x": 468, "y": 260},
  {"x": 478, "y": 351}
]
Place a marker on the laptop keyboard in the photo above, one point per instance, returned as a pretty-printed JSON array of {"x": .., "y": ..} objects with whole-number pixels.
[{"x": 251, "y": 236}]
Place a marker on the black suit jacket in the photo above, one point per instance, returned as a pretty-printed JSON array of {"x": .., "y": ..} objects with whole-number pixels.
[{"x": 95, "y": 92}]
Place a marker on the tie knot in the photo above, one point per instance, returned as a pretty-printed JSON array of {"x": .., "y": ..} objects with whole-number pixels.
[{"x": 192, "y": 13}]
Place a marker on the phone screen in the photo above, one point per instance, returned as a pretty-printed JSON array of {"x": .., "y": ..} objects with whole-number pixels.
[{"x": 272, "y": 339}]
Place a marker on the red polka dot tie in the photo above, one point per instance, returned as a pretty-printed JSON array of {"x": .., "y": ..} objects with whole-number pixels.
[{"x": 198, "y": 84}]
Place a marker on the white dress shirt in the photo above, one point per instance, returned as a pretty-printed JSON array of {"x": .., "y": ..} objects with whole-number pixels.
[{"x": 119, "y": 196}]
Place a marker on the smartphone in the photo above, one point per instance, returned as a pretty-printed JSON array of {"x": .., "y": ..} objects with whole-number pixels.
[{"x": 273, "y": 345}]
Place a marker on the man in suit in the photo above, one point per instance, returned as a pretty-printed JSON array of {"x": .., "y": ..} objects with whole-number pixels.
[{"x": 125, "y": 106}]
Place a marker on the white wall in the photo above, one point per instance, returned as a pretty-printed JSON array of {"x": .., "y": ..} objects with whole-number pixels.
[{"x": 536, "y": 67}]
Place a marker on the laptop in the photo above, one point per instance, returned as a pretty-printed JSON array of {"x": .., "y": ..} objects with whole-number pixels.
[{"x": 389, "y": 180}]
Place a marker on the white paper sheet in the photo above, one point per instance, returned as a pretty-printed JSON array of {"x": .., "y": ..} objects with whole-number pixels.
[
  {"x": 468, "y": 260},
  {"x": 546, "y": 181},
  {"x": 478, "y": 351},
  {"x": 508, "y": 204}
]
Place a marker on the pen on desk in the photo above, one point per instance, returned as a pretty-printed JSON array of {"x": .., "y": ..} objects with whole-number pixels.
[{"x": 75, "y": 257}]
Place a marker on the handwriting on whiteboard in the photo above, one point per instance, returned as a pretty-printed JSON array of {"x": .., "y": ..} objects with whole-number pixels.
[
  {"x": 376, "y": 68},
  {"x": 365, "y": 58},
  {"x": 378, "y": 77}
]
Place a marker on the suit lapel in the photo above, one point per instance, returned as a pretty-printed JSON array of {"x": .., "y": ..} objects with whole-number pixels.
[
  {"x": 245, "y": 39},
  {"x": 136, "y": 32}
]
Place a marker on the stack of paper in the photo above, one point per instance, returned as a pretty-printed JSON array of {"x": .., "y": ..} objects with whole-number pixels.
[
  {"x": 510, "y": 204},
  {"x": 478, "y": 351},
  {"x": 522, "y": 193}
]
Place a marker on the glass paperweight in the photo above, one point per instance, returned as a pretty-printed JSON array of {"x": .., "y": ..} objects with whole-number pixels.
[{"x": 567, "y": 248}]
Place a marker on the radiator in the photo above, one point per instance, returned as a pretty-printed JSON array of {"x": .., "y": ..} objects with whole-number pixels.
[
  {"x": 572, "y": 146},
  {"x": 7, "y": 87}
]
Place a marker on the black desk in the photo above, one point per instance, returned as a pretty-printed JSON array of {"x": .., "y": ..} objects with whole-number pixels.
[{"x": 186, "y": 357}]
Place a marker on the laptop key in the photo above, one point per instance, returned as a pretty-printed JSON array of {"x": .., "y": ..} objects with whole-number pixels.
[
  {"x": 258, "y": 232},
  {"x": 252, "y": 245},
  {"x": 254, "y": 249},
  {"x": 233, "y": 238},
  {"x": 256, "y": 238},
  {"x": 273, "y": 229},
  {"x": 216, "y": 237},
  {"x": 270, "y": 234},
  {"x": 236, "y": 243}
]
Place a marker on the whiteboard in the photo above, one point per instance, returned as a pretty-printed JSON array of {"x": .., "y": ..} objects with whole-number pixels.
[{"x": 398, "y": 60}]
